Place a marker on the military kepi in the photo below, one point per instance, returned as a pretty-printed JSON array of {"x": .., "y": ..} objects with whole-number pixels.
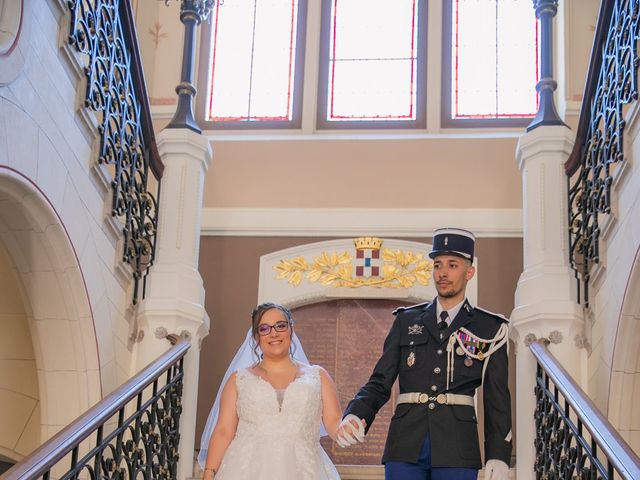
[{"x": 453, "y": 241}]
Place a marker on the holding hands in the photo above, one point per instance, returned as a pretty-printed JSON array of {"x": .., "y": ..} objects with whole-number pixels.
[{"x": 350, "y": 431}]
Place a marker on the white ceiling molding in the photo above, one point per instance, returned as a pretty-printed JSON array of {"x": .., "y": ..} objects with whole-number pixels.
[{"x": 384, "y": 222}]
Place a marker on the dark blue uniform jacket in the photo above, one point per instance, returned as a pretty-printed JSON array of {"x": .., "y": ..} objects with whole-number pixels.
[{"x": 453, "y": 429}]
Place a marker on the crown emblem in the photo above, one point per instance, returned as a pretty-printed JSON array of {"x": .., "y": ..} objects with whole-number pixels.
[
  {"x": 367, "y": 243},
  {"x": 446, "y": 241}
]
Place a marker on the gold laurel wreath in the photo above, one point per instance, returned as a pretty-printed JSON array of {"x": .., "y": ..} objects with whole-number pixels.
[{"x": 399, "y": 270}]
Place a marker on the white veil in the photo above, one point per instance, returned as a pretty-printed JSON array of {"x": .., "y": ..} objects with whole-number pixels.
[{"x": 244, "y": 358}]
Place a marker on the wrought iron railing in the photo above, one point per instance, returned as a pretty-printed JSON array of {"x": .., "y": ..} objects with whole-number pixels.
[
  {"x": 132, "y": 433},
  {"x": 573, "y": 439},
  {"x": 611, "y": 85},
  {"x": 103, "y": 33}
]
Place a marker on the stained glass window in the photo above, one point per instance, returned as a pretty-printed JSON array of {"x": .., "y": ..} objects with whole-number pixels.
[
  {"x": 494, "y": 59},
  {"x": 253, "y": 57},
  {"x": 370, "y": 70}
]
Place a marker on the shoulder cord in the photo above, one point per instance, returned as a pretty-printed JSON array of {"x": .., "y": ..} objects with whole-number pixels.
[{"x": 496, "y": 342}]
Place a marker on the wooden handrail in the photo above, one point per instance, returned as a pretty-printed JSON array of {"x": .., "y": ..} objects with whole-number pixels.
[
  {"x": 140, "y": 86},
  {"x": 602, "y": 29},
  {"x": 614, "y": 447},
  {"x": 48, "y": 454}
]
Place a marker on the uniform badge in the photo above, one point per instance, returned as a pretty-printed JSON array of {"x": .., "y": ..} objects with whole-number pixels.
[
  {"x": 415, "y": 329},
  {"x": 468, "y": 362},
  {"x": 411, "y": 359}
]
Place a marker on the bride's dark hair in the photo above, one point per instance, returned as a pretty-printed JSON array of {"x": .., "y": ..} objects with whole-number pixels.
[{"x": 257, "y": 314}]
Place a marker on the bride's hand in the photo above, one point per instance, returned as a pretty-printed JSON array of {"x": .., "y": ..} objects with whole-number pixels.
[
  {"x": 350, "y": 431},
  {"x": 209, "y": 474}
]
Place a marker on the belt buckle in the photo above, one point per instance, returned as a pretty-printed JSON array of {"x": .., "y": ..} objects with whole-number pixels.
[
  {"x": 441, "y": 399},
  {"x": 423, "y": 398}
]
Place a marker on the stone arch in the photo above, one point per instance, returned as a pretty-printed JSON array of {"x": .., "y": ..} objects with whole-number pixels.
[
  {"x": 624, "y": 391},
  {"x": 10, "y": 22},
  {"x": 55, "y": 300},
  {"x": 15, "y": 31}
]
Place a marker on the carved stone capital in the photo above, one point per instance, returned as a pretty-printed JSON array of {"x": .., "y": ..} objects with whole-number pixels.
[
  {"x": 555, "y": 336},
  {"x": 529, "y": 338},
  {"x": 581, "y": 341},
  {"x": 161, "y": 332}
]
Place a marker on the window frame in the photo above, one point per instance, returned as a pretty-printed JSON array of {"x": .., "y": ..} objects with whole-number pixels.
[
  {"x": 323, "y": 80},
  {"x": 204, "y": 77},
  {"x": 446, "y": 120}
]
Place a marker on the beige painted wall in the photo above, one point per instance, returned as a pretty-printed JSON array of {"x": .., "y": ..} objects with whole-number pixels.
[
  {"x": 420, "y": 173},
  {"x": 580, "y": 18},
  {"x": 19, "y": 395}
]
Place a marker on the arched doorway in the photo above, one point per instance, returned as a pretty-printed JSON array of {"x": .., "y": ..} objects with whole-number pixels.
[
  {"x": 50, "y": 308},
  {"x": 19, "y": 394},
  {"x": 624, "y": 391}
]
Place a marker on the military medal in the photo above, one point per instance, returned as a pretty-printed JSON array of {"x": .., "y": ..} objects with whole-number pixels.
[
  {"x": 468, "y": 362},
  {"x": 459, "y": 351},
  {"x": 480, "y": 355},
  {"x": 415, "y": 329},
  {"x": 411, "y": 359}
]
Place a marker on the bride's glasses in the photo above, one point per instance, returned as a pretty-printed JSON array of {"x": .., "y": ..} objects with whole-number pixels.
[{"x": 264, "y": 329}]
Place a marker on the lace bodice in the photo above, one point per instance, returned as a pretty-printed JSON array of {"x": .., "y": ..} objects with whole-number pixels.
[
  {"x": 278, "y": 441},
  {"x": 260, "y": 412}
]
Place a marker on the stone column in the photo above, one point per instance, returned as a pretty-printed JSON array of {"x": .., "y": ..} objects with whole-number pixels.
[
  {"x": 174, "y": 300},
  {"x": 545, "y": 299}
]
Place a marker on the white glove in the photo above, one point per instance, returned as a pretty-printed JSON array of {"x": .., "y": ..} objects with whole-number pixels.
[
  {"x": 350, "y": 431},
  {"x": 496, "y": 470}
]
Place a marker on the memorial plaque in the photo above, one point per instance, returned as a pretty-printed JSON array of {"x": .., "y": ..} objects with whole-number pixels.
[{"x": 346, "y": 338}]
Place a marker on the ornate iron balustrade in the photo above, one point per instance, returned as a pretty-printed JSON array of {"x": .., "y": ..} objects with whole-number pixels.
[
  {"x": 132, "y": 433},
  {"x": 103, "y": 32},
  {"x": 573, "y": 439},
  {"x": 611, "y": 84}
]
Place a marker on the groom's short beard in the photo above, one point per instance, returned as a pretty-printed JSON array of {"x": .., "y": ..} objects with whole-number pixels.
[{"x": 448, "y": 293}]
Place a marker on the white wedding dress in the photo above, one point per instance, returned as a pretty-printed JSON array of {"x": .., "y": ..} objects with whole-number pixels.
[{"x": 278, "y": 441}]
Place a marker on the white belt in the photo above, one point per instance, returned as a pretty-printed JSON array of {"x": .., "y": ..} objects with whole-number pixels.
[{"x": 442, "y": 399}]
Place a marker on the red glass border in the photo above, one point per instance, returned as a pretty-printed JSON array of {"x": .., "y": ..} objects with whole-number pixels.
[
  {"x": 496, "y": 116},
  {"x": 414, "y": 59},
  {"x": 250, "y": 118}
]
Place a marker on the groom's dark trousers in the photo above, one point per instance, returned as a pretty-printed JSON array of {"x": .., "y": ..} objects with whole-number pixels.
[{"x": 423, "y": 471}]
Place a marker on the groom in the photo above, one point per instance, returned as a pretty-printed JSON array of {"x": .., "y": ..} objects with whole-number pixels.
[{"x": 441, "y": 351}]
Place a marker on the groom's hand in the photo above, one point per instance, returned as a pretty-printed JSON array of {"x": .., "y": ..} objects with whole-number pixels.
[{"x": 350, "y": 431}]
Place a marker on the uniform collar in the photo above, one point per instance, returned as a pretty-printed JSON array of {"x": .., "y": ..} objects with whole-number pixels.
[
  {"x": 463, "y": 316},
  {"x": 451, "y": 311}
]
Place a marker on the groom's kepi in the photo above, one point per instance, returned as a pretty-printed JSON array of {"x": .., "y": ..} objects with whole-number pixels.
[{"x": 453, "y": 241}]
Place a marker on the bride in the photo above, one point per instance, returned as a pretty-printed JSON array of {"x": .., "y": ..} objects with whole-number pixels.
[{"x": 270, "y": 412}]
